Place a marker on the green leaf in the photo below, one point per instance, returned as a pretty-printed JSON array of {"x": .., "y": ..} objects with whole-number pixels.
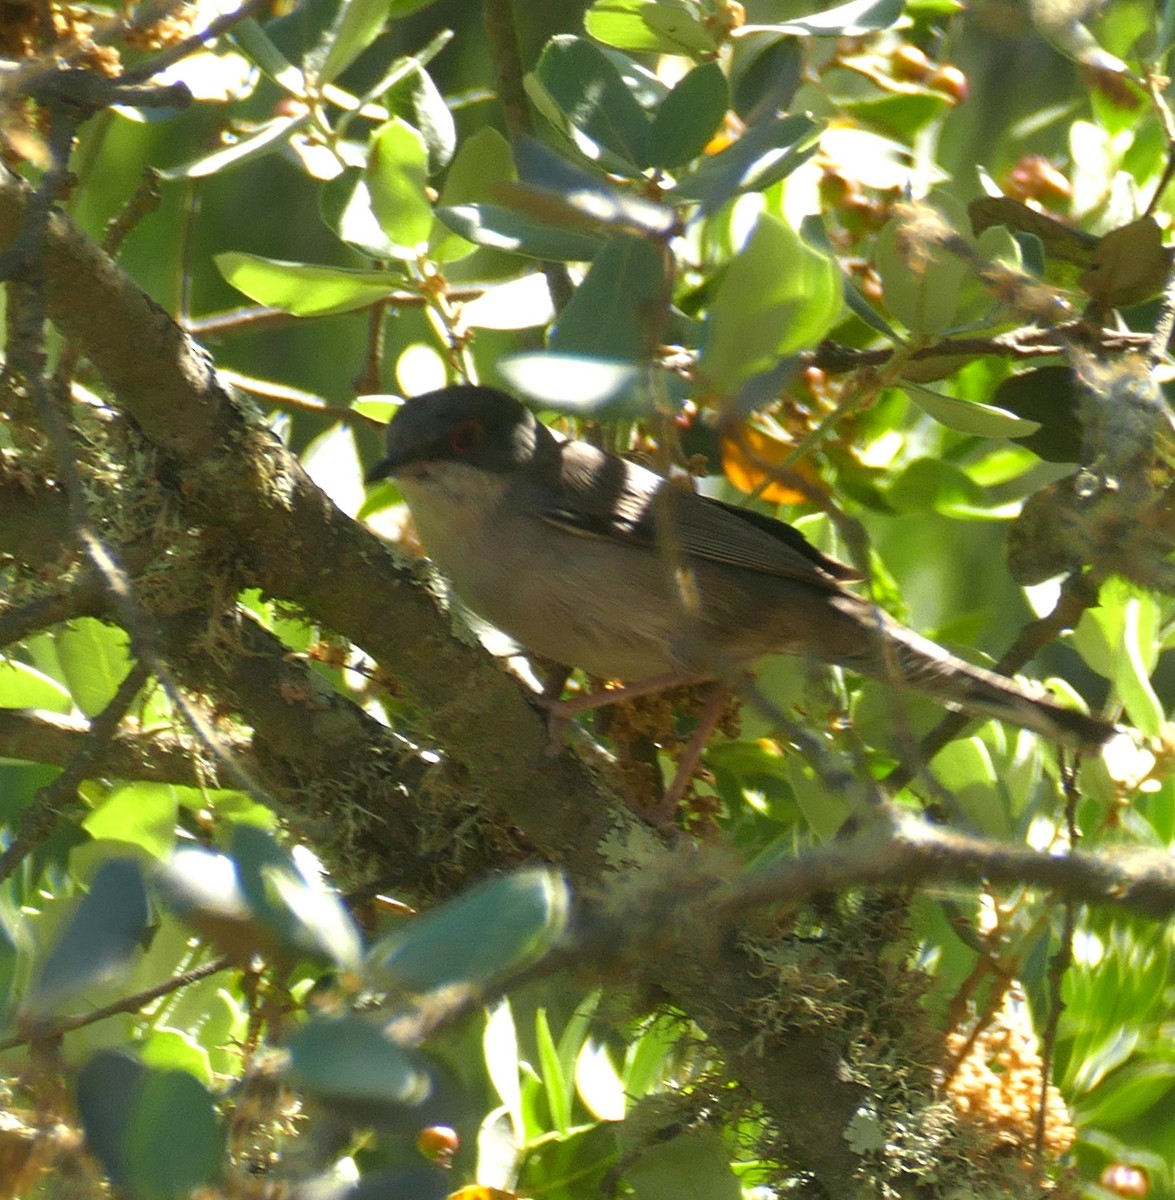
[
  {"x": 14, "y": 952},
  {"x": 500, "y": 1050},
  {"x": 768, "y": 152},
  {"x": 95, "y": 658},
  {"x": 177, "y": 1050},
  {"x": 765, "y": 74},
  {"x": 98, "y": 941},
  {"x": 965, "y": 770},
  {"x": 690, "y": 1167},
  {"x": 577, "y": 383},
  {"x": 298, "y": 911},
  {"x": 554, "y": 1081},
  {"x": 968, "y": 416},
  {"x": 689, "y": 117},
  {"x": 396, "y": 176},
  {"x": 482, "y": 160},
  {"x": 416, "y": 98},
  {"x": 269, "y": 138},
  {"x": 490, "y": 931},
  {"x": 303, "y": 289},
  {"x": 580, "y": 90},
  {"x": 649, "y": 26},
  {"x": 108, "y": 1087},
  {"x": 931, "y": 485},
  {"x": 848, "y": 20},
  {"x": 1140, "y": 628},
  {"x": 22, "y": 686},
  {"x": 777, "y": 296},
  {"x": 614, "y": 311},
  {"x": 505, "y": 229},
  {"x": 357, "y": 24},
  {"x": 926, "y": 299},
  {"x": 142, "y": 813},
  {"x": 584, "y": 1156},
  {"x": 1049, "y": 396},
  {"x": 348, "y": 1058},
  {"x": 174, "y": 1140},
  {"x": 345, "y": 205},
  {"x": 256, "y": 45}
]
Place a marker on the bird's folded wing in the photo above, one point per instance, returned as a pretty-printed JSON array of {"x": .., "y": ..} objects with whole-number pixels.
[{"x": 598, "y": 495}]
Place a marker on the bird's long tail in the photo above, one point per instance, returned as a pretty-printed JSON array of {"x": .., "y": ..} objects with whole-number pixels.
[{"x": 910, "y": 660}]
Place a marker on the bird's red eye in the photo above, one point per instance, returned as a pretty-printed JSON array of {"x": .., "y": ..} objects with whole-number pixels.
[{"x": 465, "y": 436}]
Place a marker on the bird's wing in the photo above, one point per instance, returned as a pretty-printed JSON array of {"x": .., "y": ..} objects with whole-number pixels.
[{"x": 598, "y": 495}]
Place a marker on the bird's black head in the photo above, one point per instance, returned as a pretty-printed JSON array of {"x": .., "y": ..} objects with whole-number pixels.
[{"x": 480, "y": 426}]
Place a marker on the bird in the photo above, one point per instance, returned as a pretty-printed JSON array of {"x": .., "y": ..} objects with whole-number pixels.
[{"x": 595, "y": 562}]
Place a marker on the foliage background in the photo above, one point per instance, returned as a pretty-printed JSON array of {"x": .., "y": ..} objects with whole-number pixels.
[{"x": 629, "y": 1018}]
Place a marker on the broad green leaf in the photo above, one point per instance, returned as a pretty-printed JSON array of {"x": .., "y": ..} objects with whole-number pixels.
[
  {"x": 1129, "y": 1093},
  {"x": 397, "y": 175},
  {"x": 689, "y": 117},
  {"x": 493, "y": 929},
  {"x": 108, "y": 1087},
  {"x": 345, "y": 204},
  {"x": 966, "y": 772},
  {"x": 591, "y": 102},
  {"x": 348, "y": 1058},
  {"x": 504, "y": 229},
  {"x": 22, "y": 686},
  {"x": 614, "y": 311},
  {"x": 776, "y": 296},
  {"x": 1047, "y": 395},
  {"x": 518, "y": 304},
  {"x": 416, "y": 98},
  {"x": 266, "y": 140},
  {"x": 969, "y": 416},
  {"x": 176, "y": 1050},
  {"x": 845, "y": 20},
  {"x": 586, "y": 1156},
  {"x": 482, "y": 160},
  {"x": 576, "y": 383},
  {"x": 931, "y": 485},
  {"x": 98, "y": 941},
  {"x": 500, "y": 1050},
  {"x": 650, "y": 1056},
  {"x": 764, "y": 75},
  {"x": 303, "y": 289},
  {"x": 14, "y": 952},
  {"x": 766, "y": 153},
  {"x": 299, "y": 912},
  {"x": 923, "y": 297},
  {"x": 255, "y": 43},
  {"x": 174, "y": 1140},
  {"x": 95, "y": 659},
  {"x": 357, "y": 25},
  {"x": 1139, "y": 637},
  {"x": 142, "y": 813},
  {"x": 646, "y": 25},
  {"x": 693, "y": 1166},
  {"x": 598, "y": 1083}
]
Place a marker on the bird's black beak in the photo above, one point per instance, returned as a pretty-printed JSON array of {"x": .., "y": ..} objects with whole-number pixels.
[{"x": 382, "y": 470}]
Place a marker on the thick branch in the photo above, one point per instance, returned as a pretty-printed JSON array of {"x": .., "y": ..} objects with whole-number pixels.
[{"x": 296, "y": 544}]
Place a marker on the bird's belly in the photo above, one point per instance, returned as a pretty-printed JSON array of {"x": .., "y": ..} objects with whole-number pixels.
[{"x": 571, "y": 599}]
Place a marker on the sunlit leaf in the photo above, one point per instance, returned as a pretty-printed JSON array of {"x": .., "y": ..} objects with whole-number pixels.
[
  {"x": 304, "y": 289},
  {"x": 489, "y": 931},
  {"x": 98, "y": 941}
]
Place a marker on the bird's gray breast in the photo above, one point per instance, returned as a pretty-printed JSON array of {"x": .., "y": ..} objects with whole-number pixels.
[{"x": 584, "y": 601}]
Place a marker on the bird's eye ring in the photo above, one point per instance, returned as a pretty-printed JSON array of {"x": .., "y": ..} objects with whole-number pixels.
[{"x": 465, "y": 436}]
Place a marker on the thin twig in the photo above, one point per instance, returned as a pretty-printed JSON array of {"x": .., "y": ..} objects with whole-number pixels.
[{"x": 128, "y": 1004}]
